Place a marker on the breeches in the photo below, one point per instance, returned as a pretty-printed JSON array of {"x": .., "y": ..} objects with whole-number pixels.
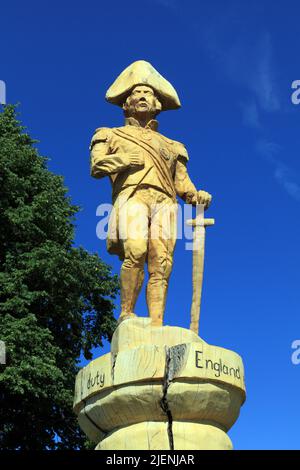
[{"x": 148, "y": 228}]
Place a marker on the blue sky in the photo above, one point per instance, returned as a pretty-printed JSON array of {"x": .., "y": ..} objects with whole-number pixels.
[{"x": 232, "y": 64}]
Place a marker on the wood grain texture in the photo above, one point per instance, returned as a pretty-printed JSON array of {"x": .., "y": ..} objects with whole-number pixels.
[{"x": 157, "y": 396}]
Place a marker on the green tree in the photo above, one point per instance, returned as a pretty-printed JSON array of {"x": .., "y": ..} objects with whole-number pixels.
[{"x": 56, "y": 300}]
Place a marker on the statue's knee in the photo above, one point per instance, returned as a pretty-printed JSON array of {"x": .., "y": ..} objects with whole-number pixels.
[
  {"x": 135, "y": 253},
  {"x": 160, "y": 268},
  {"x": 168, "y": 271}
]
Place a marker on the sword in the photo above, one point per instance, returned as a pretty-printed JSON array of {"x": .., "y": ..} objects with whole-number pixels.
[{"x": 199, "y": 224}]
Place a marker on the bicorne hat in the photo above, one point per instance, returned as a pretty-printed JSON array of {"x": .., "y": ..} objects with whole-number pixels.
[{"x": 142, "y": 73}]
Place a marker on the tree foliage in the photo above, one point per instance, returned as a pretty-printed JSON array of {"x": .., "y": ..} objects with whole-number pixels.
[{"x": 56, "y": 300}]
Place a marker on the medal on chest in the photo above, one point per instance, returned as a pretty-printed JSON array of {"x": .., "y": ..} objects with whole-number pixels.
[
  {"x": 165, "y": 153},
  {"x": 146, "y": 135}
]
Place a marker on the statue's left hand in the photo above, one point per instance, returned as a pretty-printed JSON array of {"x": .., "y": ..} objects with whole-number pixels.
[
  {"x": 199, "y": 197},
  {"x": 204, "y": 198}
]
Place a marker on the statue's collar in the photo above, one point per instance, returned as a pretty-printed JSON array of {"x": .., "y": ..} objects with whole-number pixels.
[{"x": 152, "y": 124}]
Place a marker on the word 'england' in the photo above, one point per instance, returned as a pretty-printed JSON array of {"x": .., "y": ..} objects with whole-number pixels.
[{"x": 218, "y": 366}]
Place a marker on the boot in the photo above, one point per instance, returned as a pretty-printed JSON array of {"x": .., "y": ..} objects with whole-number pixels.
[
  {"x": 131, "y": 283},
  {"x": 156, "y": 300}
]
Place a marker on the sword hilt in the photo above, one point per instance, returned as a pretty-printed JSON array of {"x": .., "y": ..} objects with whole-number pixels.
[{"x": 201, "y": 222}]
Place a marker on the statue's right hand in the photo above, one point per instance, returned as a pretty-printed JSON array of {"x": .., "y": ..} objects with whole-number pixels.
[{"x": 136, "y": 159}]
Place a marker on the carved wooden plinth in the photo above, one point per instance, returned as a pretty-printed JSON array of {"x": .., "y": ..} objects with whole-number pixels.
[{"x": 160, "y": 389}]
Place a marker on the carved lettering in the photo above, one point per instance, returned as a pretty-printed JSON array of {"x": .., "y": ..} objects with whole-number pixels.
[
  {"x": 97, "y": 379},
  {"x": 219, "y": 367}
]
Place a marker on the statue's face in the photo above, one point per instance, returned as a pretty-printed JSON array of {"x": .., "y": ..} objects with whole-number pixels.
[{"x": 142, "y": 101}]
